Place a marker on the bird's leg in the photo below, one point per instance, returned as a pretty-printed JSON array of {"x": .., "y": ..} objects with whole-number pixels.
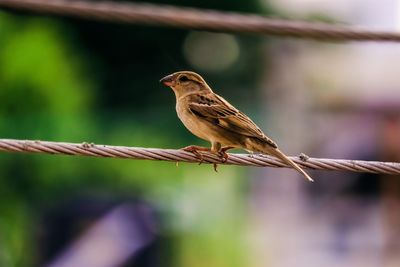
[
  {"x": 195, "y": 150},
  {"x": 215, "y": 148},
  {"x": 215, "y": 167},
  {"x": 222, "y": 153}
]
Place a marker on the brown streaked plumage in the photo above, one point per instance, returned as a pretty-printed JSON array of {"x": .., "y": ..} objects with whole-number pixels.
[{"x": 210, "y": 117}]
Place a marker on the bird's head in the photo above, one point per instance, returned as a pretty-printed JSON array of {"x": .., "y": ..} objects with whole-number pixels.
[{"x": 185, "y": 82}]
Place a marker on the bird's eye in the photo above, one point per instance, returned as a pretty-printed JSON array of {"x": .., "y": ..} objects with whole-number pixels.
[{"x": 183, "y": 78}]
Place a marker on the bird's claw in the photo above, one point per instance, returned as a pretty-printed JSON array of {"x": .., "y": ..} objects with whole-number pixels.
[
  {"x": 215, "y": 167},
  {"x": 223, "y": 155},
  {"x": 195, "y": 151}
]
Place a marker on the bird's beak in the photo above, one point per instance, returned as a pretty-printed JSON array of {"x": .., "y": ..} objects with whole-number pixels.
[{"x": 167, "y": 80}]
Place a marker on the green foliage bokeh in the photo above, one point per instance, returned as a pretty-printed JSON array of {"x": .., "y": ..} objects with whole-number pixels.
[{"x": 69, "y": 80}]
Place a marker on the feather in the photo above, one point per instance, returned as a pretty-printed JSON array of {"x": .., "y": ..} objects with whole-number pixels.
[{"x": 218, "y": 111}]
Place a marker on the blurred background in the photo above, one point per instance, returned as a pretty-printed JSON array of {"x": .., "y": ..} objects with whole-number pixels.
[{"x": 64, "y": 79}]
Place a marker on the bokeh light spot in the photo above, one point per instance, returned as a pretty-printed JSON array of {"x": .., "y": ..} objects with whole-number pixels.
[{"x": 211, "y": 51}]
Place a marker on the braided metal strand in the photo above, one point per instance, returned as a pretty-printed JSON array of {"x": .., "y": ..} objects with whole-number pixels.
[
  {"x": 85, "y": 149},
  {"x": 141, "y": 13}
]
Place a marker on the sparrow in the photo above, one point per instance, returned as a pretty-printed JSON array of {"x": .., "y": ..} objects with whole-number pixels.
[{"x": 212, "y": 118}]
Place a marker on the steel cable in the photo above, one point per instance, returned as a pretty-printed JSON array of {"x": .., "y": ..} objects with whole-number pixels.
[
  {"x": 106, "y": 151},
  {"x": 164, "y": 15}
]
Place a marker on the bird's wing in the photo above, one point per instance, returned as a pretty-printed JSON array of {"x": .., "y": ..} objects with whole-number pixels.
[{"x": 218, "y": 111}]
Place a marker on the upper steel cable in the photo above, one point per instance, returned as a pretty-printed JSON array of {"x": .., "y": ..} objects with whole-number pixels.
[{"x": 163, "y": 15}]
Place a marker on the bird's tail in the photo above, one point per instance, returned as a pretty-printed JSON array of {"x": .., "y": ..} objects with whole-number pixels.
[{"x": 267, "y": 149}]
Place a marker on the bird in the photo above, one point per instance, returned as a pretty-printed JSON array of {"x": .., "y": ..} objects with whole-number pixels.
[{"x": 210, "y": 117}]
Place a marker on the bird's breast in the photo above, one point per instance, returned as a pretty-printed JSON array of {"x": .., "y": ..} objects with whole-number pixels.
[{"x": 196, "y": 126}]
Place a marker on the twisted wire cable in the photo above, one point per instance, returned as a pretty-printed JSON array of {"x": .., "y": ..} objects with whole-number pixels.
[
  {"x": 164, "y": 15},
  {"x": 106, "y": 151}
]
